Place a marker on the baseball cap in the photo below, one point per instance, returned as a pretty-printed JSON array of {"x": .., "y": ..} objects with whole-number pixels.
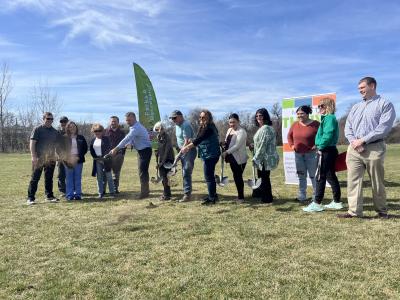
[
  {"x": 63, "y": 119},
  {"x": 175, "y": 113}
]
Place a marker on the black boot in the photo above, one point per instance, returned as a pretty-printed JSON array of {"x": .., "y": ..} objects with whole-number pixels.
[{"x": 144, "y": 190}]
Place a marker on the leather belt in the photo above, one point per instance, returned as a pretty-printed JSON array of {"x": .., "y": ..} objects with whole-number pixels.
[{"x": 377, "y": 141}]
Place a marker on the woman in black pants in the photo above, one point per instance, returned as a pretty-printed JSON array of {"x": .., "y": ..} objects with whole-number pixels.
[
  {"x": 265, "y": 157},
  {"x": 325, "y": 141},
  {"x": 235, "y": 153}
]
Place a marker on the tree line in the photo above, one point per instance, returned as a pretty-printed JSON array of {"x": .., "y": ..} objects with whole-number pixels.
[{"x": 17, "y": 125}]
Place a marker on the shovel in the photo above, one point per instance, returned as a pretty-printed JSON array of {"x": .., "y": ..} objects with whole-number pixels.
[
  {"x": 157, "y": 179},
  {"x": 169, "y": 165},
  {"x": 255, "y": 182},
  {"x": 223, "y": 180}
]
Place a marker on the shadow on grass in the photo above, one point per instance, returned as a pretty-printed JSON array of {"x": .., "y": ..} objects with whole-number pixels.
[{"x": 367, "y": 183}]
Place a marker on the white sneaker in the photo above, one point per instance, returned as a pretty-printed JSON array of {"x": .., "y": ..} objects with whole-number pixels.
[
  {"x": 334, "y": 205},
  {"x": 313, "y": 207},
  {"x": 30, "y": 202}
]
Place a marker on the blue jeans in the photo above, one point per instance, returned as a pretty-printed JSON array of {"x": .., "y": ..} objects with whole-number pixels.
[
  {"x": 306, "y": 163},
  {"x": 73, "y": 180},
  {"x": 102, "y": 177},
  {"x": 187, "y": 170},
  {"x": 209, "y": 175}
]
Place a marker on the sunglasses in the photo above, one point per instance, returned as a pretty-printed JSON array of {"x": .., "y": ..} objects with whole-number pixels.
[
  {"x": 202, "y": 117},
  {"x": 49, "y": 119},
  {"x": 97, "y": 131},
  {"x": 259, "y": 116},
  {"x": 321, "y": 106},
  {"x": 173, "y": 118}
]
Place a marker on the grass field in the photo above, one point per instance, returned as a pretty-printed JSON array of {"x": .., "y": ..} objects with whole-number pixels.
[{"x": 124, "y": 248}]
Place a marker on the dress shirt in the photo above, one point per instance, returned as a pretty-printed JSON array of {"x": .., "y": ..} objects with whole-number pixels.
[{"x": 370, "y": 120}]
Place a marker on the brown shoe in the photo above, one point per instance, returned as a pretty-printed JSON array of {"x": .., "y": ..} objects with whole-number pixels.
[{"x": 346, "y": 216}]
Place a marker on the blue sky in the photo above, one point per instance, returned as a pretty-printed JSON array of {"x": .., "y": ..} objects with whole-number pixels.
[{"x": 224, "y": 55}]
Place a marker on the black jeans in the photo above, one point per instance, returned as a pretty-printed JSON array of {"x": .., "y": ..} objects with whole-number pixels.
[
  {"x": 237, "y": 171},
  {"x": 265, "y": 188},
  {"x": 48, "y": 179},
  {"x": 209, "y": 175},
  {"x": 326, "y": 172},
  {"x": 164, "y": 176},
  {"x": 61, "y": 177},
  {"x": 144, "y": 157}
]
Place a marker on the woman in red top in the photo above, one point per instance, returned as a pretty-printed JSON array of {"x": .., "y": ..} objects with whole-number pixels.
[{"x": 301, "y": 139}]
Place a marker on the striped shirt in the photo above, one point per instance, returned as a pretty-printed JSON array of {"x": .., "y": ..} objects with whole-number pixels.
[{"x": 370, "y": 120}]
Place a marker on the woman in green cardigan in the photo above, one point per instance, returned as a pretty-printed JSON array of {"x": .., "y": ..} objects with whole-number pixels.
[
  {"x": 325, "y": 141},
  {"x": 266, "y": 158}
]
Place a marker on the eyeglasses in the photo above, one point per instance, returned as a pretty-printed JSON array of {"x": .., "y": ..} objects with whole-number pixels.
[
  {"x": 97, "y": 131},
  {"x": 321, "y": 106},
  {"x": 49, "y": 119}
]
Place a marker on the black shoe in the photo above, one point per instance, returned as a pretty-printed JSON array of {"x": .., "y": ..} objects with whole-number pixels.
[
  {"x": 52, "y": 199},
  {"x": 116, "y": 191},
  {"x": 77, "y": 198},
  {"x": 208, "y": 202},
  {"x": 383, "y": 216}
]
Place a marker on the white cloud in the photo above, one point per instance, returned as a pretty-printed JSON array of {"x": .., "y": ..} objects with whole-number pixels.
[{"x": 104, "y": 24}]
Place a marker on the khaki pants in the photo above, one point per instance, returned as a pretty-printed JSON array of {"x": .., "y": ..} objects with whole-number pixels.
[
  {"x": 371, "y": 160},
  {"x": 116, "y": 165}
]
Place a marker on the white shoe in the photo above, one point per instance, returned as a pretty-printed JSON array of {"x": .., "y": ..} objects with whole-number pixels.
[
  {"x": 313, "y": 207},
  {"x": 30, "y": 202},
  {"x": 334, "y": 205}
]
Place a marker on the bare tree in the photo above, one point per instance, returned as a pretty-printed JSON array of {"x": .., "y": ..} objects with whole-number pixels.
[
  {"x": 276, "y": 118},
  {"x": 5, "y": 90},
  {"x": 193, "y": 118},
  {"x": 44, "y": 100}
]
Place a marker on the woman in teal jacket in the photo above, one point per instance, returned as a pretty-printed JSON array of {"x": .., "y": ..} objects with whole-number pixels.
[
  {"x": 209, "y": 151},
  {"x": 325, "y": 141}
]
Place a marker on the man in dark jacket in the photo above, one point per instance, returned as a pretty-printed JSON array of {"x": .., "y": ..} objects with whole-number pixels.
[{"x": 116, "y": 135}]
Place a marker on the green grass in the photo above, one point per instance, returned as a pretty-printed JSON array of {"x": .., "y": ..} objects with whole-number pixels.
[{"x": 123, "y": 248}]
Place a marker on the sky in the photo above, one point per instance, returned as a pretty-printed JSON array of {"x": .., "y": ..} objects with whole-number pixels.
[{"x": 224, "y": 55}]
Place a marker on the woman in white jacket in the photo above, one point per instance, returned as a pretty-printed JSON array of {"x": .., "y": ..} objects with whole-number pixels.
[{"x": 235, "y": 152}]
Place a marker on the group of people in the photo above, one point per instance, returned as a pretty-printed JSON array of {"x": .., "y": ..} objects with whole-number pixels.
[
  {"x": 313, "y": 142},
  {"x": 367, "y": 125}
]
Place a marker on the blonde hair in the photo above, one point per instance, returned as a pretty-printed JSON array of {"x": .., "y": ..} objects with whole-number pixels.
[
  {"x": 97, "y": 126},
  {"x": 329, "y": 104},
  {"x": 158, "y": 125}
]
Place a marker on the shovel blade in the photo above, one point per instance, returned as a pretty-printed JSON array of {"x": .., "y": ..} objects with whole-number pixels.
[
  {"x": 254, "y": 184},
  {"x": 217, "y": 179},
  {"x": 224, "y": 181}
]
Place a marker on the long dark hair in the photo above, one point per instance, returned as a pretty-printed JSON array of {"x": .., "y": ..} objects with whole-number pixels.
[
  {"x": 266, "y": 117},
  {"x": 209, "y": 117}
]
